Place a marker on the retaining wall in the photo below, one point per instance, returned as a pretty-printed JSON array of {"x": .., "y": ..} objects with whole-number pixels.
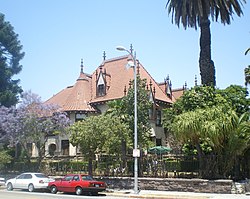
[{"x": 171, "y": 184}]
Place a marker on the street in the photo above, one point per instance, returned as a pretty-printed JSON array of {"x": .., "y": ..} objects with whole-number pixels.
[{"x": 4, "y": 194}]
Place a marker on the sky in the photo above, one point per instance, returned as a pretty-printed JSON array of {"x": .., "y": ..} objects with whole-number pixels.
[{"x": 57, "y": 34}]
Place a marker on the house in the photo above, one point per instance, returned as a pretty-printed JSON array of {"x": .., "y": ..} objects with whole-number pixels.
[{"x": 91, "y": 92}]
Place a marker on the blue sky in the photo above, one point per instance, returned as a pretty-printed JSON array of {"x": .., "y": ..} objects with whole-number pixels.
[{"x": 57, "y": 34}]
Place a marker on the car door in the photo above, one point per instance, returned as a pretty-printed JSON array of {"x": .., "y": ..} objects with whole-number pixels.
[
  {"x": 66, "y": 183},
  {"x": 27, "y": 180},
  {"x": 18, "y": 183},
  {"x": 74, "y": 183}
]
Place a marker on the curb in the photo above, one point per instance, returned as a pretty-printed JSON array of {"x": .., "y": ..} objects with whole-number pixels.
[{"x": 127, "y": 194}]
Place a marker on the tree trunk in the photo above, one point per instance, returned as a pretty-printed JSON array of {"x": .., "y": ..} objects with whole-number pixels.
[
  {"x": 124, "y": 152},
  {"x": 207, "y": 69},
  {"x": 90, "y": 165},
  {"x": 201, "y": 160}
]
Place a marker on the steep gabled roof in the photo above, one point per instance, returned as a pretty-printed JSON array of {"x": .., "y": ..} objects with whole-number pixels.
[
  {"x": 83, "y": 93},
  {"x": 119, "y": 77}
]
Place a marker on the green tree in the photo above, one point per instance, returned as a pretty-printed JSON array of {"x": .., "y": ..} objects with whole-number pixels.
[
  {"x": 96, "y": 134},
  {"x": 10, "y": 56},
  {"x": 237, "y": 97},
  {"x": 227, "y": 134},
  {"x": 195, "y": 13},
  {"x": 124, "y": 110},
  {"x": 5, "y": 159},
  {"x": 203, "y": 107},
  {"x": 143, "y": 107},
  {"x": 117, "y": 109}
]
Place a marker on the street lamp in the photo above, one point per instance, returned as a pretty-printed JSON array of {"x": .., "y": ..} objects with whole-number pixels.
[{"x": 136, "y": 151}]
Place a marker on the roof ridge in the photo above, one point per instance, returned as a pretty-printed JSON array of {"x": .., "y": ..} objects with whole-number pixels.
[{"x": 114, "y": 59}]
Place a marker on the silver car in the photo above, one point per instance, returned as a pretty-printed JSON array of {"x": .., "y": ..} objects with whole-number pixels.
[{"x": 29, "y": 181}]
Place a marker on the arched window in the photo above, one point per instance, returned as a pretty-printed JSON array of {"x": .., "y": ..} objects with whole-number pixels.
[{"x": 52, "y": 149}]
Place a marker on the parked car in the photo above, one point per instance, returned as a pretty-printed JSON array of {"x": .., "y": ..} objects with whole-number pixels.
[
  {"x": 2, "y": 181},
  {"x": 77, "y": 183},
  {"x": 29, "y": 181}
]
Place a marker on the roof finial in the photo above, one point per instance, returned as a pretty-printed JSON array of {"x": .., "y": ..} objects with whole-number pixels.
[
  {"x": 131, "y": 49},
  {"x": 81, "y": 65},
  {"x": 104, "y": 56},
  {"x": 125, "y": 91},
  {"x": 195, "y": 80}
]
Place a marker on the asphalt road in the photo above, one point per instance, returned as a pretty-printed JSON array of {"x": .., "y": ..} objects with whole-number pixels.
[{"x": 19, "y": 194}]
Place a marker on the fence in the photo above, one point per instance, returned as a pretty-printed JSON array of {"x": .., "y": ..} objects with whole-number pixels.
[{"x": 148, "y": 166}]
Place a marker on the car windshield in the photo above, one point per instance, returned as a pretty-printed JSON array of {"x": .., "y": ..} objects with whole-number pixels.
[
  {"x": 41, "y": 175},
  {"x": 87, "y": 177}
]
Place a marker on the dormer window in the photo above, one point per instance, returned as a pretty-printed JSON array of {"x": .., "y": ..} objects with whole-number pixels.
[
  {"x": 101, "y": 86},
  {"x": 101, "y": 90}
]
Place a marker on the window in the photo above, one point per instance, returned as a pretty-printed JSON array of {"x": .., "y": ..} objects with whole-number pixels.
[
  {"x": 41, "y": 175},
  {"x": 80, "y": 117},
  {"x": 52, "y": 149},
  {"x": 76, "y": 178},
  {"x": 100, "y": 86},
  {"x": 86, "y": 177},
  {"x": 101, "y": 90},
  {"x": 158, "y": 118},
  {"x": 29, "y": 147},
  {"x": 65, "y": 147},
  {"x": 68, "y": 178},
  {"x": 158, "y": 142},
  {"x": 22, "y": 176},
  {"x": 28, "y": 176}
]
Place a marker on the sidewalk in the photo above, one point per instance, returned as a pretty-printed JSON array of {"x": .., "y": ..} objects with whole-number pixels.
[{"x": 150, "y": 194}]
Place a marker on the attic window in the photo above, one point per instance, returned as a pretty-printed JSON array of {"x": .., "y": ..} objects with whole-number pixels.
[
  {"x": 101, "y": 90},
  {"x": 101, "y": 87}
]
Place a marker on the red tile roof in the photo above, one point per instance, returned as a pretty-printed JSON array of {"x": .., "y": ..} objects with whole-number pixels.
[
  {"x": 83, "y": 93},
  {"x": 76, "y": 97}
]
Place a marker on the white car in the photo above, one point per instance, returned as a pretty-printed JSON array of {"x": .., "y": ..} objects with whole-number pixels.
[
  {"x": 2, "y": 181},
  {"x": 29, "y": 181}
]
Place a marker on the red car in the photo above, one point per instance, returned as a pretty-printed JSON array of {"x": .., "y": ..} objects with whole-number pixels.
[{"x": 77, "y": 183}]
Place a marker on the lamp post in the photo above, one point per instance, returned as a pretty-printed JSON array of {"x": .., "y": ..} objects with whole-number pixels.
[{"x": 136, "y": 152}]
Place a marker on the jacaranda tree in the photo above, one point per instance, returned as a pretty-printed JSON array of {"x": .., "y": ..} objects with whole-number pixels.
[{"x": 31, "y": 123}]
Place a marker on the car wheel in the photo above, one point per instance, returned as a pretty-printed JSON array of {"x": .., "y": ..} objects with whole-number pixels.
[
  {"x": 78, "y": 191},
  {"x": 9, "y": 187},
  {"x": 53, "y": 189},
  {"x": 31, "y": 188}
]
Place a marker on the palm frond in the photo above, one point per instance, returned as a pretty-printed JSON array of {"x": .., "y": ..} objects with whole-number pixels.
[{"x": 247, "y": 51}]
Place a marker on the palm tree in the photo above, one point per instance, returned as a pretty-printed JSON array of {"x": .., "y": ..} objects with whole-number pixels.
[
  {"x": 247, "y": 71},
  {"x": 193, "y": 13},
  {"x": 247, "y": 75},
  {"x": 226, "y": 133}
]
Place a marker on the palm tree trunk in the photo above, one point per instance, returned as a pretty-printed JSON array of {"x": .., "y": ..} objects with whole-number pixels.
[{"x": 207, "y": 69}]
